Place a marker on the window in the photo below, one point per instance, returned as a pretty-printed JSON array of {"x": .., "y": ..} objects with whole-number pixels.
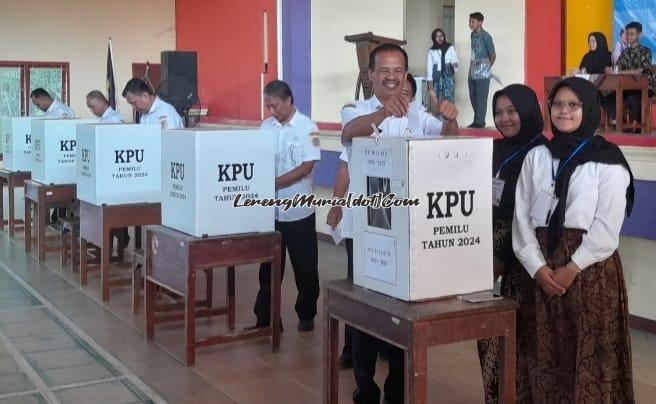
[{"x": 18, "y": 79}]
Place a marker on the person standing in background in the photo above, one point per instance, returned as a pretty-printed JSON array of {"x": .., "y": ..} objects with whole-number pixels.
[
  {"x": 53, "y": 108},
  {"x": 441, "y": 66},
  {"x": 620, "y": 46},
  {"x": 483, "y": 56}
]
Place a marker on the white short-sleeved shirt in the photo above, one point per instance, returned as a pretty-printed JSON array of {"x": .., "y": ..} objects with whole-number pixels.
[
  {"x": 111, "y": 116},
  {"x": 297, "y": 142},
  {"x": 58, "y": 109},
  {"x": 162, "y": 113},
  {"x": 389, "y": 127},
  {"x": 596, "y": 203}
]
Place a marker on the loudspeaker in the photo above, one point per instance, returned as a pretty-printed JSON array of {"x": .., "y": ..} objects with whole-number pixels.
[{"x": 179, "y": 79}]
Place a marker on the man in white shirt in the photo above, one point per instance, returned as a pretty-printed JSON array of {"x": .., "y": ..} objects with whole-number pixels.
[
  {"x": 154, "y": 110},
  {"x": 99, "y": 106},
  {"x": 53, "y": 108},
  {"x": 297, "y": 148},
  {"x": 388, "y": 110}
]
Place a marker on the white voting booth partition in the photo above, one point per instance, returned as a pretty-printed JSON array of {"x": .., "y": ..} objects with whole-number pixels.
[
  {"x": 17, "y": 142},
  {"x": 119, "y": 163},
  {"x": 205, "y": 170},
  {"x": 54, "y": 143},
  {"x": 441, "y": 247}
]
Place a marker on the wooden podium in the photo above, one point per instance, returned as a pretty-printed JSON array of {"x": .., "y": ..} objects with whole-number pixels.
[{"x": 364, "y": 44}]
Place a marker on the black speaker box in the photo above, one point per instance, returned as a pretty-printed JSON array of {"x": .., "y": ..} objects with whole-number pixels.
[{"x": 179, "y": 79}]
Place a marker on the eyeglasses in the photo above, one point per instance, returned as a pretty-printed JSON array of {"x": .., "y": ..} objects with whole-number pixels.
[{"x": 571, "y": 106}]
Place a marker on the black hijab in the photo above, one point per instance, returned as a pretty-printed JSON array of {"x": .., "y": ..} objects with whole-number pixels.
[
  {"x": 597, "y": 150},
  {"x": 443, "y": 47},
  {"x": 595, "y": 62},
  {"x": 530, "y": 135}
]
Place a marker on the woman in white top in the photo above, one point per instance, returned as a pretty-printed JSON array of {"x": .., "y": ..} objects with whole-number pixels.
[
  {"x": 573, "y": 332},
  {"x": 441, "y": 66}
]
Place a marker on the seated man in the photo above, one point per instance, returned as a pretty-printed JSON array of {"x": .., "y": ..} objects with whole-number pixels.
[{"x": 634, "y": 60}]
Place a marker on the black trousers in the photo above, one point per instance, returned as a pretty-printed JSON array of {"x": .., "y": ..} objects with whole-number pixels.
[
  {"x": 632, "y": 101},
  {"x": 364, "y": 351},
  {"x": 300, "y": 238}
]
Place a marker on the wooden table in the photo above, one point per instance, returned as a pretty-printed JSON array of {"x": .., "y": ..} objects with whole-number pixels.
[
  {"x": 13, "y": 179},
  {"x": 39, "y": 199},
  {"x": 608, "y": 83},
  {"x": 96, "y": 222},
  {"x": 414, "y": 327},
  {"x": 173, "y": 260}
]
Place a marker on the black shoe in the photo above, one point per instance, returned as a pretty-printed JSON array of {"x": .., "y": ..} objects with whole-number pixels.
[
  {"x": 306, "y": 325},
  {"x": 472, "y": 125},
  {"x": 372, "y": 397},
  {"x": 261, "y": 325},
  {"x": 345, "y": 359}
]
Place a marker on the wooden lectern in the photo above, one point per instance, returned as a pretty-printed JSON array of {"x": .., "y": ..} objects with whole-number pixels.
[{"x": 364, "y": 44}]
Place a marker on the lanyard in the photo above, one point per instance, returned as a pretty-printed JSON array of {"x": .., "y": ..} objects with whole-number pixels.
[
  {"x": 514, "y": 155},
  {"x": 555, "y": 174}
]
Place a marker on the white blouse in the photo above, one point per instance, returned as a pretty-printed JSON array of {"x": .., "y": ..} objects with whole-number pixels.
[
  {"x": 596, "y": 202},
  {"x": 435, "y": 58}
]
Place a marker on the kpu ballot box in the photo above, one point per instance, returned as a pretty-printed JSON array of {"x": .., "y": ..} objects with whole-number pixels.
[
  {"x": 54, "y": 143},
  {"x": 17, "y": 143},
  {"x": 443, "y": 245},
  {"x": 119, "y": 163},
  {"x": 206, "y": 172}
]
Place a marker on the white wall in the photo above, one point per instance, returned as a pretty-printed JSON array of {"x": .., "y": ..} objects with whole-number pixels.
[
  {"x": 421, "y": 18},
  {"x": 77, "y": 32},
  {"x": 334, "y": 63},
  {"x": 505, "y": 21}
]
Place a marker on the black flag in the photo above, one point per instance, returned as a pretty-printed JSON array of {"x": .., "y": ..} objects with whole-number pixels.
[{"x": 111, "y": 86}]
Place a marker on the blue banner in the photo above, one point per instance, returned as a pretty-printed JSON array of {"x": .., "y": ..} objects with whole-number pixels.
[{"x": 642, "y": 11}]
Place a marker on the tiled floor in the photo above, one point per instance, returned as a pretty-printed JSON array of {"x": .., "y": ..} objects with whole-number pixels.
[{"x": 70, "y": 368}]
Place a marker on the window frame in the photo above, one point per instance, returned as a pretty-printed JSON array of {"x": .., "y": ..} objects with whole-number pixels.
[{"x": 25, "y": 66}]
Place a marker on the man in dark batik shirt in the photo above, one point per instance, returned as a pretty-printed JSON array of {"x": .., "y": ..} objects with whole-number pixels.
[{"x": 635, "y": 60}]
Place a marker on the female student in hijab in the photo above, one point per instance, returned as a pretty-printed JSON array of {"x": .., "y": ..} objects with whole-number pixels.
[
  {"x": 518, "y": 117},
  {"x": 599, "y": 57},
  {"x": 441, "y": 66},
  {"x": 573, "y": 332}
]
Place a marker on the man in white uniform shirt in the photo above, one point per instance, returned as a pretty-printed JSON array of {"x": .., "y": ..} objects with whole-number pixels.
[
  {"x": 99, "y": 106},
  {"x": 297, "y": 148},
  {"x": 154, "y": 110},
  {"x": 389, "y": 110},
  {"x": 53, "y": 108}
]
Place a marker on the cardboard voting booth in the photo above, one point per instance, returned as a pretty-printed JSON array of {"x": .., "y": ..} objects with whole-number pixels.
[
  {"x": 54, "y": 144},
  {"x": 440, "y": 247},
  {"x": 17, "y": 142},
  {"x": 204, "y": 171},
  {"x": 119, "y": 163}
]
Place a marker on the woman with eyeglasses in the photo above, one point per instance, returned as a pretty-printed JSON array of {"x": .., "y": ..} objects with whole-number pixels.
[
  {"x": 518, "y": 118},
  {"x": 573, "y": 338}
]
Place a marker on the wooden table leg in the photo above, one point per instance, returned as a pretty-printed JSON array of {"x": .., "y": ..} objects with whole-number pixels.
[
  {"x": 28, "y": 225},
  {"x": 644, "y": 122},
  {"x": 83, "y": 261},
  {"x": 42, "y": 213},
  {"x": 190, "y": 317},
  {"x": 75, "y": 254},
  {"x": 136, "y": 284},
  {"x": 105, "y": 254},
  {"x": 508, "y": 357},
  {"x": 230, "y": 296},
  {"x": 11, "y": 217},
  {"x": 416, "y": 372},
  {"x": 209, "y": 288},
  {"x": 619, "y": 110},
  {"x": 331, "y": 341},
  {"x": 276, "y": 268},
  {"x": 149, "y": 289}
]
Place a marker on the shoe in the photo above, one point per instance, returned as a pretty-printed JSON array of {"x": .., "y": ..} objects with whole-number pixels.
[
  {"x": 472, "y": 125},
  {"x": 361, "y": 397},
  {"x": 345, "y": 360},
  {"x": 261, "y": 325},
  {"x": 306, "y": 325}
]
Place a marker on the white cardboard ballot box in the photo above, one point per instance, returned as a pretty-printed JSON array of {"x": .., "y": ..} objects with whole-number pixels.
[
  {"x": 205, "y": 170},
  {"x": 440, "y": 247},
  {"x": 119, "y": 163},
  {"x": 17, "y": 142},
  {"x": 53, "y": 150}
]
